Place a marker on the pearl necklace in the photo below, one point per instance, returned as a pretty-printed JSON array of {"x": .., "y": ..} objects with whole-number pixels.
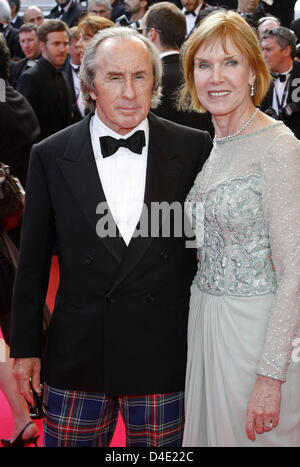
[{"x": 228, "y": 138}]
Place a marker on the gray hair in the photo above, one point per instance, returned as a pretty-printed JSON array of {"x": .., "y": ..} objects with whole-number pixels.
[
  {"x": 106, "y": 3},
  {"x": 88, "y": 64},
  {"x": 5, "y": 11},
  {"x": 284, "y": 37}
]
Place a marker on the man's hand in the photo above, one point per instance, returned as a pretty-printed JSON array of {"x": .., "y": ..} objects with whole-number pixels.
[{"x": 24, "y": 369}]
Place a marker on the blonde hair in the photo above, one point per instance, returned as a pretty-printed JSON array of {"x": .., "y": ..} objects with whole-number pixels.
[{"x": 220, "y": 26}]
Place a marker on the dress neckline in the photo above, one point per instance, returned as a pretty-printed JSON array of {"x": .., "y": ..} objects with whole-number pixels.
[{"x": 253, "y": 133}]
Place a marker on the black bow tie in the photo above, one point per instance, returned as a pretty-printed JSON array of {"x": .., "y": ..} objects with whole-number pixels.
[
  {"x": 190, "y": 13},
  {"x": 282, "y": 78},
  {"x": 135, "y": 143},
  {"x": 76, "y": 69}
]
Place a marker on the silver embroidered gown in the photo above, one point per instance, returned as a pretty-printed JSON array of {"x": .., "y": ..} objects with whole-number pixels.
[{"x": 244, "y": 316}]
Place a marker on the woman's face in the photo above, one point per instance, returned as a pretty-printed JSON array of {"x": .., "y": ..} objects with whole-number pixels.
[
  {"x": 83, "y": 42},
  {"x": 222, "y": 79}
]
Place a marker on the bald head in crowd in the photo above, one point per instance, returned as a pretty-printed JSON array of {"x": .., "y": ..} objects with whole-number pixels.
[{"x": 33, "y": 14}]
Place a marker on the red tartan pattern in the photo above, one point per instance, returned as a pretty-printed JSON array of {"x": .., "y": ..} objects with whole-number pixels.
[{"x": 86, "y": 419}]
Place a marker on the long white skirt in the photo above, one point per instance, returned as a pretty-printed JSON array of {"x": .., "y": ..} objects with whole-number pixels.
[{"x": 225, "y": 339}]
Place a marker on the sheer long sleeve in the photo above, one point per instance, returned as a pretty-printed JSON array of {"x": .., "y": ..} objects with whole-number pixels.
[{"x": 281, "y": 203}]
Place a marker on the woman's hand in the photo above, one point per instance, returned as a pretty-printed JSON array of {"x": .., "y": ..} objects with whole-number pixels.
[{"x": 264, "y": 406}]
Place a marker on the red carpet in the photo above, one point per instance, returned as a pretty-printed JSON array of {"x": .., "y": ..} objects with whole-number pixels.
[{"x": 6, "y": 422}]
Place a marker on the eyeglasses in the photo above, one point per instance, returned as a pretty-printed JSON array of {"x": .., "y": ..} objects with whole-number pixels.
[{"x": 276, "y": 33}]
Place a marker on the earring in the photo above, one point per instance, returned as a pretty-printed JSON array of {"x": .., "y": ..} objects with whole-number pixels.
[{"x": 252, "y": 90}]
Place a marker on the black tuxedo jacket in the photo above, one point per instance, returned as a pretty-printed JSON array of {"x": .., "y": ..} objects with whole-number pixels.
[
  {"x": 70, "y": 17},
  {"x": 39, "y": 86},
  {"x": 12, "y": 42},
  {"x": 18, "y": 22},
  {"x": 171, "y": 81},
  {"x": 120, "y": 319},
  {"x": 76, "y": 115},
  {"x": 16, "y": 70},
  {"x": 293, "y": 121}
]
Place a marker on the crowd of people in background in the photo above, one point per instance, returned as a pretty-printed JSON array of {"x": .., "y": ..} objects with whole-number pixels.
[
  {"x": 28, "y": 38},
  {"x": 44, "y": 78}
]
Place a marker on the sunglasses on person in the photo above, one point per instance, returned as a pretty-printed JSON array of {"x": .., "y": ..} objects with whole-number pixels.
[{"x": 276, "y": 33}]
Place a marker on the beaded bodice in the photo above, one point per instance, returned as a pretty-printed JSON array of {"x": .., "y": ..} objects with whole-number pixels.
[
  {"x": 245, "y": 205},
  {"x": 235, "y": 258}
]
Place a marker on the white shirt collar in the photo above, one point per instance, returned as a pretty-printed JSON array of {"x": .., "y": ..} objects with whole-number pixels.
[{"x": 170, "y": 52}]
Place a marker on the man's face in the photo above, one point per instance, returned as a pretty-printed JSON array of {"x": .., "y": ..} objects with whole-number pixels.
[
  {"x": 247, "y": 6},
  {"x": 191, "y": 5},
  {"x": 123, "y": 83},
  {"x": 100, "y": 10},
  {"x": 34, "y": 16},
  {"x": 133, "y": 6},
  {"x": 273, "y": 53},
  {"x": 62, "y": 3},
  {"x": 74, "y": 51},
  {"x": 266, "y": 26},
  {"x": 30, "y": 44},
  {"x": 55, "y": 49}
]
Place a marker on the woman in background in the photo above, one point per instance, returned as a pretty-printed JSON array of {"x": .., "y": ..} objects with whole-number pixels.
[
  {"x": 245, "y": 206},
  {"x": 88, "y": 27}
]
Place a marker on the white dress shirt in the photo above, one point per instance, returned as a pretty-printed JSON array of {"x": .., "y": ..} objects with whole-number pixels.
[
  {"x": 123, "y": 177},
  {"x": 77, "y": 89},
  {"x": 191, "y": 19},
  {"x": 279, "y": 88}
]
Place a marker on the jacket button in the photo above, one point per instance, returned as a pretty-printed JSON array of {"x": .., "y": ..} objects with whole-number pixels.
[
  {"x": 164, "y": 255},
  {"x": 89, "y": 259}
]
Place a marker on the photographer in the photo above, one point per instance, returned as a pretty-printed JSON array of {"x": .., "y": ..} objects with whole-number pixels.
[
  {"x": 283, "y": 98},
  {"x": 134, "y": 12}
]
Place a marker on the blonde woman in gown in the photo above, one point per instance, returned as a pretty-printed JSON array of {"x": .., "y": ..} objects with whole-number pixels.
[{"x": 243, "y": 380}]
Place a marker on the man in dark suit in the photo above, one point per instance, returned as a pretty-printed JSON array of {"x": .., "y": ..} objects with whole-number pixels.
[
  {"x": 164, "y": 24},
  {"x": 16, "y": 19},
  {"x": 72, "y": 68},
  {"x": 44, "y": 85},
  {"x": 283, "y": 98},
  {"x": 10, "y": 33},
  {"x": 68, "y": 11},
  {"x": 192, "y": 9},
  {"x": 30, "y": 45},
  {"x": 111, "y": 190}
]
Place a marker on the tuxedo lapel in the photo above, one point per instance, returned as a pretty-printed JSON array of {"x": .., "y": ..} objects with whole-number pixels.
[
  {"x": 162, "y": 178},
  {"x": 80, "y": 172}
]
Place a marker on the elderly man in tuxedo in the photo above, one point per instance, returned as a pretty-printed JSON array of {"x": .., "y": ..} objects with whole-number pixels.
[{"x": 117, "y": 337}]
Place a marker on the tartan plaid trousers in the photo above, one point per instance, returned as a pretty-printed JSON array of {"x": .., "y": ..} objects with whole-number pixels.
[{"x": 88, "y": 419}]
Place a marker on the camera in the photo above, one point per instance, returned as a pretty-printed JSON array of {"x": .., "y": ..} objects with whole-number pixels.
[{"x": 124, "y": 21}]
